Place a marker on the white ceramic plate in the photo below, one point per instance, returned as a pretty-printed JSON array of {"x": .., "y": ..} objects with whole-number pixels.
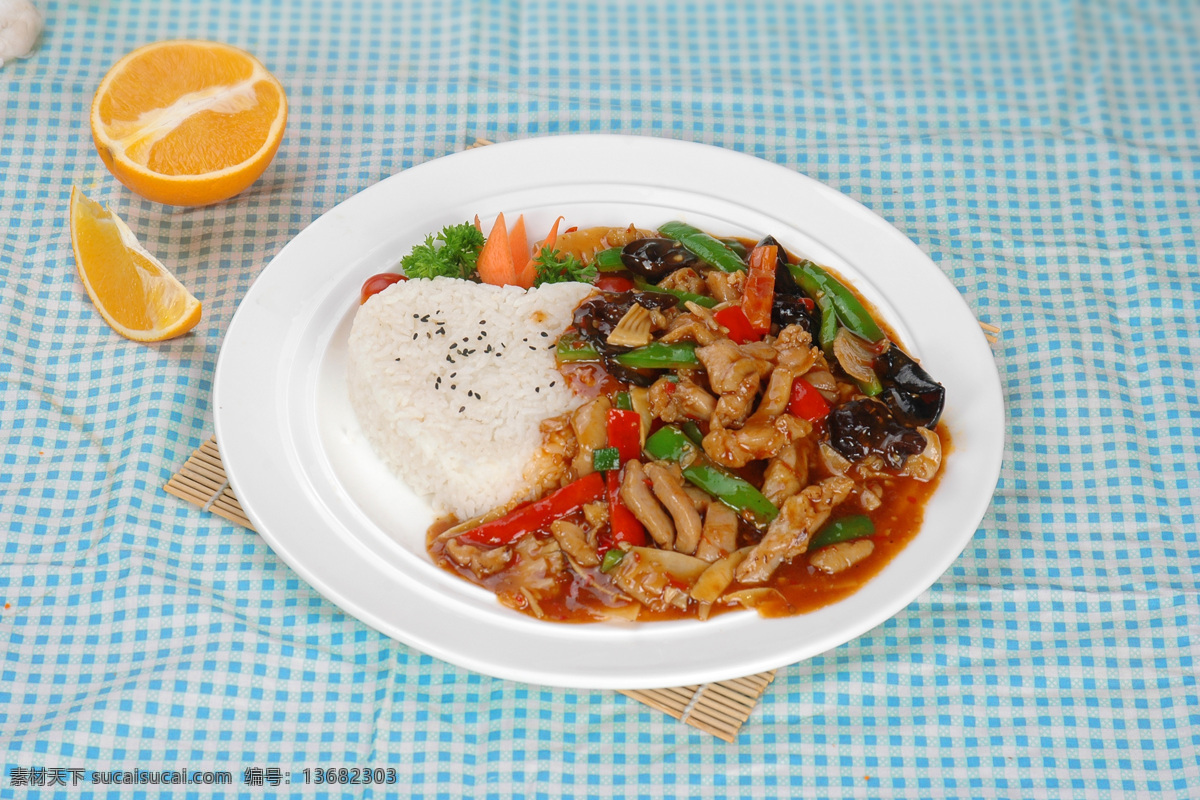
[{"x": 322, "y": 500}]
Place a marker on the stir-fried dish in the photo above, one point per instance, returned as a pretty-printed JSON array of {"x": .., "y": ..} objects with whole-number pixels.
[{"x": 753, "y": 438}]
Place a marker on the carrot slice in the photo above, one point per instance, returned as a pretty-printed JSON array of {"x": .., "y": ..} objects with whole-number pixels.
[
  {"x": 551, "y": 237},
  {"x": 518, "y": 243},
  {"x": 495, "y": 264},
  {"x": 527, "y": 274}
]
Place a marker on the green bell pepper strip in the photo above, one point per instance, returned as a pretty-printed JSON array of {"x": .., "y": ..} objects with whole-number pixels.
[
  {"x": 829, "y": 324},
  {"x": 606, "y": 458},
  {"x": 872, "y": 387},
  {"x": 705, "y": 247},
  {"x": 656, "y": 355},
  {"x": 609, "y": 260},
  {"x": 573, "y": 347},
  {"x": 842, "y": 529},
  {"x": 668, "y": 443},
  {"x": 734, "y": 245},
  {"x": 829, "y": 320},
  {"x": 642, "y": 285},
  {"x": 731, "y": 490},
  {"x": 849, "y": 310},
  {"x": 660, "y": 355},
  {"x": 822, "y": 292},
  {"x": 693, "y": 431},
  {"x": 623, "y": 401},
  {"x": 611, "y": 559}
]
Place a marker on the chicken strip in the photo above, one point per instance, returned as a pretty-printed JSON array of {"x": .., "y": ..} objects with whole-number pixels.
[{"x": 788, "y": 535}]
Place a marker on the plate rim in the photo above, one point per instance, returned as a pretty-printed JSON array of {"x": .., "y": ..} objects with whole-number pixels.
[{"x": 239, "y": 465}]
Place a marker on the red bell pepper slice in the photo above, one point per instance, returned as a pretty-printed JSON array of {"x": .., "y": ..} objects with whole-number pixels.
[
  {"x": 625, "y": 433},
  {"x": 623, "y": 525},
  {"x": 538, "y": 514},
  {"x": 807, "y": 402},
  {"x": 759, "y": 294},
  {"x": 735, "y": 321}
]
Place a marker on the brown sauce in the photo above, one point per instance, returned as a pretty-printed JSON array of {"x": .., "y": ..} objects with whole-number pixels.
[{"x": 587, "y": 595}]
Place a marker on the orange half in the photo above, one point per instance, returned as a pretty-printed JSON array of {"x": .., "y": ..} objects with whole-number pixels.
[{"x": 188, "y": 123}]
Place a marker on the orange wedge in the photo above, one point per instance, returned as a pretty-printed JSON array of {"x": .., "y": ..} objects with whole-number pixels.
[
  {"x": 188, "y": 123},
  {"x": 130, "y": 288}
]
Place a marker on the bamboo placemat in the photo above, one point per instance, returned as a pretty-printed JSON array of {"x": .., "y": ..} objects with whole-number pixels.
[{"x": 716, "y": 708}]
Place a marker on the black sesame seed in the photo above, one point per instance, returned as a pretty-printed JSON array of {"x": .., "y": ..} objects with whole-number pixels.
[
  {"x": 414, "y": 337},
  {"x": 454, "y": 386},
  {"x": 537, "y": 388},
  {"x": 454, "y": 345},
  {"x": 451, "y": 360},
  {"x": 553, "y": 382},
  {"x": 531, "y": 347},
  {"x": 462, "y": 409},
  {"x": 453, "y": 374},
  {"x": 545, "y": 335},
  {"x": 488, "y": 349},
  {"x": 466, "y": 338},
  {"x": 425, "y": 318},
  {"x": 483, "y": 322}
]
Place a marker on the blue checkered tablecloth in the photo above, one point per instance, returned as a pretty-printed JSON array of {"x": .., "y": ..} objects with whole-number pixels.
[{"x": 1045, "y": 154}]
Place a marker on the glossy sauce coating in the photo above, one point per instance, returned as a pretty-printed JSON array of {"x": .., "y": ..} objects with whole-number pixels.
[{"x": 586, "y": 595}]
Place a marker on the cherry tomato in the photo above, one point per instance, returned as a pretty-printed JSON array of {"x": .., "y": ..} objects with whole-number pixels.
[
  {"x": 377, "y": 283},
  {"x": 613, "y": 283}
]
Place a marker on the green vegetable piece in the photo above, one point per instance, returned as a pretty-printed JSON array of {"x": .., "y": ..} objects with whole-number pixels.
[
  {"x": 842, "y": 529},
  {"x": 609, "y": 260},
  {"x": 731, "y": 490},
  {"x": 553, "y": 267},
  {"x": 455, "y": 257},
  {"x": 872, "y": 387},
  {"x": 668, "y": 443},
  {"x": 850, "y": 310},
  {"x": 571, "y": 347},
  {"x": 606, "y": 458},
  {"x": 703, "y": 246},
  {"x": 735, "y": 246},
  {"x": 692, "y": 430},
  {"x": 645, "y": 286},
  {"x": 611, "y": 559},
  {"x": 623, "y": 401},
  {"x": 660, "y": 355},
  {"x": 829, "y": 324}
]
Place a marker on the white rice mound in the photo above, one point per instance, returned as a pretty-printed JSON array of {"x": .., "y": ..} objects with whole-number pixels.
[{"x": 450, "y": 380}]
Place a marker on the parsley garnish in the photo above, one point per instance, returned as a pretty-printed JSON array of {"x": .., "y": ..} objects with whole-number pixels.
[
  {"x": 553, "y": 267},
  {"x": 454, "y": 258}
]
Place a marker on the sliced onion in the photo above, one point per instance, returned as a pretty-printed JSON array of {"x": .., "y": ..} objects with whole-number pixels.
[
  {"x": 856, "y": 355},
  {"x": 716, "y": 578}
]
